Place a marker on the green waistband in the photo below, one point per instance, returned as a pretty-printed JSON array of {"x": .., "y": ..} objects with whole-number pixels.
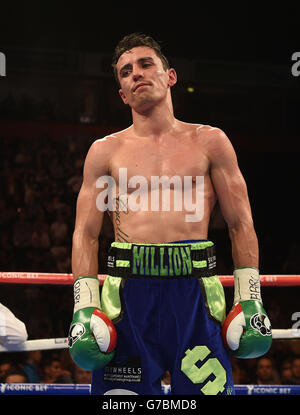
[
  {"x": 196, "y": 259},
  {"x": 194, "y": 245}
]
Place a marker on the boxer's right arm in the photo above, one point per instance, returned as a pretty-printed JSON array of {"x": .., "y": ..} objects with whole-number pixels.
[
  {"x": 91, "y": 332},
  {"x": 89, "y": 219},
  {"x": 85, "y": 242}
]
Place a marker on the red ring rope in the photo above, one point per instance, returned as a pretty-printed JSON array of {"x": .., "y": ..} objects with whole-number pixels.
[{"x": 67, "y": 279}]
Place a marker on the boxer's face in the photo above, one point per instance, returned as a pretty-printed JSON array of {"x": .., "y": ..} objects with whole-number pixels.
[{"x": 142, "y": 78}]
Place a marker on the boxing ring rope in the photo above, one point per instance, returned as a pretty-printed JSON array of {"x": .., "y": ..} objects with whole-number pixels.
[
  {"x": 67, "y": 279},
  {"x": 38, "y": 278}
]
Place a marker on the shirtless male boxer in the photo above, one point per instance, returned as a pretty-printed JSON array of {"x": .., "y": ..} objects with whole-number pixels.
[{"x": 162, "y": 293}]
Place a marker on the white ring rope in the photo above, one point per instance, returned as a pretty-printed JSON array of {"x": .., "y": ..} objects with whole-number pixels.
[
  {"x": 67, "y": 279},
  {"x": 40, "y": 344},
  {"x": 285, "y": 334},
  {"x": 62, "y": 343}
]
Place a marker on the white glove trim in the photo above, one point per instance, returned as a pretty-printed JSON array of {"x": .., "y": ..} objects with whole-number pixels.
[
  {"x": 101, "y": 332},
  {"x": 86, "y": 293},
  {"x": 246, "y": 284},
  {"x": 235, "y": 331}
]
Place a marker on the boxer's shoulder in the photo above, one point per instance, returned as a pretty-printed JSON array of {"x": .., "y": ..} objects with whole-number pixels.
[
  {"x": 215, "y": 141},
  {"x": 204, "y": 133},
  {"x": 110, "y": 140},
  {"x": 211, "y": 133},
  {"x": 103, "y": 148}
]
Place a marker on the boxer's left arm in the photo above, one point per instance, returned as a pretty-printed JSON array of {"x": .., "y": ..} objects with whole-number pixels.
[
  {"x": 232, "y": 195},
  {"x": 231, "y": 190}
]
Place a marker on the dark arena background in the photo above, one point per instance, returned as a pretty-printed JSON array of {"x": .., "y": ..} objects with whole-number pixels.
[{"x": 238, "y": 69}]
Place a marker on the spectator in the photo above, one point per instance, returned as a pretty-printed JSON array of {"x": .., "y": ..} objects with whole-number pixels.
[
  {"x": 5, "y": 367},
  {"x": 51, "y": 370},
  {"x": 61, "y": 255},
  {"x": 286, "y": 371},
  {"x": 81, "y": 376},
  {"x": 15, "y": 375},
  {"x": 56, "y": 168},
  {"x": 266, "y": 373},
  {"x": 75, "y": 180},
  {"x": 6, "y": 252},
  {"x": 22, "y": 238},
  {"x": 40, "y": 238},
  {"x": 31, "y": 366},
  {"x": 238, "y": 372},
  {"x": 54, "y": 373},
  {"x": 295, "y": 371},
  {"x": 59, "y": 228}
]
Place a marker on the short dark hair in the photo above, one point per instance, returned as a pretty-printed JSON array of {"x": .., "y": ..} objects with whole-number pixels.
[
  {"x": 15, "y": 371},
  {"x": 134, "y": 40}
]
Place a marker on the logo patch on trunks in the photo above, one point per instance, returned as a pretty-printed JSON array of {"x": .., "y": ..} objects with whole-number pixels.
[
  {"x": 161, "y": 260},
  {"x": 124, "y": 370}
]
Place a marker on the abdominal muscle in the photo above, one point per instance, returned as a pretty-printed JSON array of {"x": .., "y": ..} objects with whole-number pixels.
[{"x": 160, "y": 226}]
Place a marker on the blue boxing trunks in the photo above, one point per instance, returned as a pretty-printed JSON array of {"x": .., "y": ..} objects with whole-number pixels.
[{"x": 168, "y": 306}]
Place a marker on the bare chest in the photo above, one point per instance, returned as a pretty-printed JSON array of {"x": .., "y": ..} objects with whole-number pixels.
[{"x": 169, "y": 158}]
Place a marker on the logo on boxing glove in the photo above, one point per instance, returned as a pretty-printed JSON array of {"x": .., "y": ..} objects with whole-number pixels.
[
  {"x": 261, "y": 323},
  {"x": 76, "y": 331}
]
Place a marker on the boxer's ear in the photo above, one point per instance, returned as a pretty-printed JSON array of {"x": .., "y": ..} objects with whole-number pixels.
[
  {"x": 123, "y": 96},
  {"x": 172, "y": 77}
]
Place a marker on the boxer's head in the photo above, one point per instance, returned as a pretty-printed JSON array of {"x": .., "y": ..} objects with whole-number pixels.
[
  {"x": 132, "y": 41},
  {"x": 139, "y": 62}
]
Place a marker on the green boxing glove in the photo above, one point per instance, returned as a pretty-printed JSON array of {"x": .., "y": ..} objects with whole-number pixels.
[
  {"x": 247, "y": 329},
  {"x": 92, "y": 336}
]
